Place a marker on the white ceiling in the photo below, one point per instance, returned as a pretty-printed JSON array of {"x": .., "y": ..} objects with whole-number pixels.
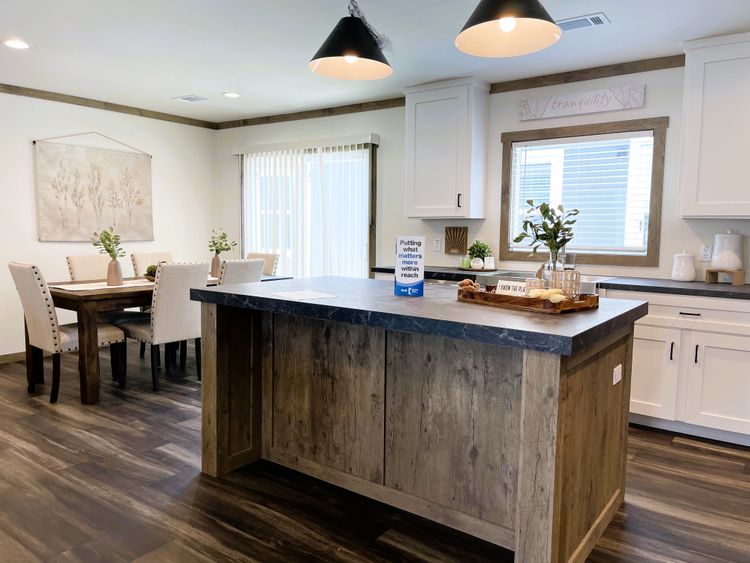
[{"x": 144, "y": 52}]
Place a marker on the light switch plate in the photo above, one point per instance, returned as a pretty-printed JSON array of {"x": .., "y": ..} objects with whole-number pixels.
[
  {"x": 436, "y": 244},
  {"x": 706, "y": 253},
  {"x": 617, "y": 374}
]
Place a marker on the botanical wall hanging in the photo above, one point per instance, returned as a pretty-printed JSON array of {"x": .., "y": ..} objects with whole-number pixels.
[{"x": 81, "y": 189}]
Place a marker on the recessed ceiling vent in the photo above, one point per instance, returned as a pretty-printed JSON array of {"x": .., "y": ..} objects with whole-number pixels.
[
  {"x": 190, "y": 98},
  {"x": 582, "y": 22}
]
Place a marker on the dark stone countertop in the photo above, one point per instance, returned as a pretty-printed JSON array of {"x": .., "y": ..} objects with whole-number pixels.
[
  {"x": 695, "y": 288},
  {"x": 439, "y": 273},
  {"x": 371, "y": 302}
]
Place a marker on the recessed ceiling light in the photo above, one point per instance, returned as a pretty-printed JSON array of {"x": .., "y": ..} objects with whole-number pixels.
[
  {"x": 16, "y": 43},
  {"x": 231, "y": 94}
]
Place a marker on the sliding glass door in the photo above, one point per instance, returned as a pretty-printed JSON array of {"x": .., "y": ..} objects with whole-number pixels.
[{"x": 311, "y": 206}]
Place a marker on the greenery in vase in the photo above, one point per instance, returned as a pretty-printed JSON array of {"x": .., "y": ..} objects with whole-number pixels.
[
  {"x": 220, "y": 242},
  {"x": 151, "y": 270},
  {"x": 108, "y": 243},
  {"x": 547, "y": 226},
  {"x": 479, "y": 250}
]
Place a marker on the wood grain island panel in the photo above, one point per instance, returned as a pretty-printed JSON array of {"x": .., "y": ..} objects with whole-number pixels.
[{"x": 515, "y": 445}]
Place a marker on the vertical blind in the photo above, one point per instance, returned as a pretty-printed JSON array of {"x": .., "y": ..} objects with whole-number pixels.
[
  {"x": 606, "y": 177},
  {"x": 311, "y": 206}
]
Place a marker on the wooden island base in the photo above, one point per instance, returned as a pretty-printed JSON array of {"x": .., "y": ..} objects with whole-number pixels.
[{"x": 522, "y": 448}]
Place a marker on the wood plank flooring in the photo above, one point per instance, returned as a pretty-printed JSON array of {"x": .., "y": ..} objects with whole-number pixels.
[{"x": 120, "y": 481}]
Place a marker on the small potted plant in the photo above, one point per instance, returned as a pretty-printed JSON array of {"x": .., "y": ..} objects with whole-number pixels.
[
  {"x": 478, "y": 252},
  {"x": 218, "y": 243},
  {"x": 550, "y": 227},
  {"x": 151, "y": 273},
  {"x": 109, "y": 243}
]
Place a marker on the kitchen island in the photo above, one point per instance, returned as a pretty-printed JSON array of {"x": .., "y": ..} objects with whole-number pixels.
[{"x": 506, "y": 425}]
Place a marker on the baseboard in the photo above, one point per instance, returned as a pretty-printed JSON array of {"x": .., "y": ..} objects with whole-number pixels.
[
  {"x": 691, "y": 429},
  {"x": 12, "y": 358}
]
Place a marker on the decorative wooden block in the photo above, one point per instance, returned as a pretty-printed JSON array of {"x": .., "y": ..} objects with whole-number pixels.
[
  {"x": 738, "y": 276},
  {"x": 456, "y": 240}
]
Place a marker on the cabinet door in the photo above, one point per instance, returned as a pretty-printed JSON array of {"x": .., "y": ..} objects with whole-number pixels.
[
  {"x": 436, "y": 152},
  {"x": 716, "y": 130},
  {"x": 655, "y": 372},
  {"x": 718, "y": 383}
]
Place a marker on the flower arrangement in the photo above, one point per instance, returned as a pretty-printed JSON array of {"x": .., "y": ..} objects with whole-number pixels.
[
  {"x": 547, "y": 226},
  {"x": 108, "y": 243},
  {"x": 219, "y": 242}
]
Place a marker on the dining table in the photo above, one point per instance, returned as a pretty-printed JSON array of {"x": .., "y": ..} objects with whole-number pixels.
[{"x": 88, "y": 298}]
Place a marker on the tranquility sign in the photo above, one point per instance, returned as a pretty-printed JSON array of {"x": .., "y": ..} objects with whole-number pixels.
[{"x": 630, "y": 96}]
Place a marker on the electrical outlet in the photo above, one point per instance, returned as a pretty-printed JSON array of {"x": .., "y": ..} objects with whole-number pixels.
[
  {"x": 436, "y": 244},
  {"x": 617, "y": 374},
  {"x": 706, "y": 253}
]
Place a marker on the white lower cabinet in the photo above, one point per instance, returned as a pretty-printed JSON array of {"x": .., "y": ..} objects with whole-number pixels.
[
  {"x": 718, "y": 381},
  {"x": 655, "y": 372},
  {"x": 691, "y": 365}
]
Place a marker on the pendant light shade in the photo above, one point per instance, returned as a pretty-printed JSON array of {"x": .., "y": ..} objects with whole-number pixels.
[
  {"x": 350, "y": 53},
  {"x": 507, "y": 28}
]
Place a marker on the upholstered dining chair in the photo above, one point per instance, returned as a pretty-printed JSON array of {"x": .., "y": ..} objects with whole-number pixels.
[
  {"x": 271, "y": 261},
  {"x": 174, "y": 317},
  {"x": 241, "y": 271},
  {"x": 46, "y": 334},
  {"x": 142, "y": 260},
  {"x": 88, "y": 266}
]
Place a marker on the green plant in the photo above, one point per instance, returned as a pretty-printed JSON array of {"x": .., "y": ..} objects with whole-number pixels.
[
  {"x": 480, "y": 250},
  {"x": 108, "y": 243},
  {"x": 219, "y": 242},
  {"x": 151, "y": 270},
  {"x": 547, "y": 226}
]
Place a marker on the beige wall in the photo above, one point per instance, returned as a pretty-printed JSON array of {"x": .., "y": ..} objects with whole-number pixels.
[
  {"x": 184, "y": 205},
  {"x": 663, "y": 97}
]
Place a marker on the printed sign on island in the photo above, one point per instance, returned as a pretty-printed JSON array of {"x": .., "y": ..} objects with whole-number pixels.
[
  {"x": 409, "y": 266},
  {"x": 631, "y": 96}
]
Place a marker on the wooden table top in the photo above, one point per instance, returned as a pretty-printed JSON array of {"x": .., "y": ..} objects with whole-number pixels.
[{"x": 99, "y": 294}]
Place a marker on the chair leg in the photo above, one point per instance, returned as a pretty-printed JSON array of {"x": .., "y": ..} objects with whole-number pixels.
[
  {"x": 198, "y": 357},
  {"x": 155, "y": 366},
  {"x": 120, "y": 362},
  {"x": 158, "y": 356},
  {"x": 55, "y": 392},
  {"x": 143, "y": 350},
  {"x": 114, "y": 361},
  {"x": 170, "y": 355},
  {"x": 183, "y": 355}
]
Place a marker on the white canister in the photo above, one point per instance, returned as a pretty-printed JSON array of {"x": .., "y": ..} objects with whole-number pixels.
[
  {"x": 489, "y": 263},
  {"x": 477, "y": 264},
  {"x": 683, "y": 267},
  {"x": 727, "y": 253}
]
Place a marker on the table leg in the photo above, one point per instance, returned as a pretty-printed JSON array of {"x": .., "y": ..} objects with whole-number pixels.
[
  {"x": 34, "y": 363},
  {"x": 88, "y": 353}
]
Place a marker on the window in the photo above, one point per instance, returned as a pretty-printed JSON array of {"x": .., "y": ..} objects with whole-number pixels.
[
  {"x": 611, "y": 172},
  {"x": 311, "y": 206}
]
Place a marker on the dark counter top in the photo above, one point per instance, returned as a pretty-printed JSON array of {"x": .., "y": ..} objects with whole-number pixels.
[
  {"x": 371, "y": 302},
  {"x": 439, "y": 272},
  {"x": 700, "y": 289}
]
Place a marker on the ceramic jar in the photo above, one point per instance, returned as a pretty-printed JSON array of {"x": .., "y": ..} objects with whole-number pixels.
[{"x": 683, "y": 267}]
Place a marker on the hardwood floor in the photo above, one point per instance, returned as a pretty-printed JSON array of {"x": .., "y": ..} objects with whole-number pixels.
[{"x": 120, "y": 481}]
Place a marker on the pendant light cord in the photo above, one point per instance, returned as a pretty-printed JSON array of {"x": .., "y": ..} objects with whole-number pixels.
[{"x": 382, "y": 41}]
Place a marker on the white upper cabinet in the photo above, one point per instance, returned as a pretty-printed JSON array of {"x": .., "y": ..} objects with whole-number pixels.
[
  {"x": 715, "y": 180},
  {"x": 446, "y": 149}
]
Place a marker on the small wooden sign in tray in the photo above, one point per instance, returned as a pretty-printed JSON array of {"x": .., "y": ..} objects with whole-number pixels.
[{"x": 581, "y": 302}]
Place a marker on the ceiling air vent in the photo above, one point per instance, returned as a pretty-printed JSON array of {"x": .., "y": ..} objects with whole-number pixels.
[
  {"x": 582, "y": 22},
  {"x": 190, "y": 98}
]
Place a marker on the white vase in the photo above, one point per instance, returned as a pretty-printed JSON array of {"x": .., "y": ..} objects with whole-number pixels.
[{"x": 477, "y": 264}]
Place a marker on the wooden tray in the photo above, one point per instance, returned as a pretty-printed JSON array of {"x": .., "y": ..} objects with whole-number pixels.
[{"x": 582, "y": 302}]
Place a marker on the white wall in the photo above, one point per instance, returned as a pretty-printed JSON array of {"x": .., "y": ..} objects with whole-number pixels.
[
  {"x": 184, "y": 203},
  {"x": 663, "y": 98}
]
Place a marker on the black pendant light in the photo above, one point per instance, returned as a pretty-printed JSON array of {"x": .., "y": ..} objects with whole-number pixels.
[
  {"x": 352, "y": 51},
  {"x": 507, "y": 28}
]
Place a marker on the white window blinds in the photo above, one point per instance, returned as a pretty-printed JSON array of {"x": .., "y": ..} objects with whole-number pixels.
[
  {"x": 310, "y": 206},
  {"x": 606, "y": 177}
]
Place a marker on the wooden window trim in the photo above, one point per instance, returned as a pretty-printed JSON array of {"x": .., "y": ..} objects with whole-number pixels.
[{"x": 659, "y": 127}]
